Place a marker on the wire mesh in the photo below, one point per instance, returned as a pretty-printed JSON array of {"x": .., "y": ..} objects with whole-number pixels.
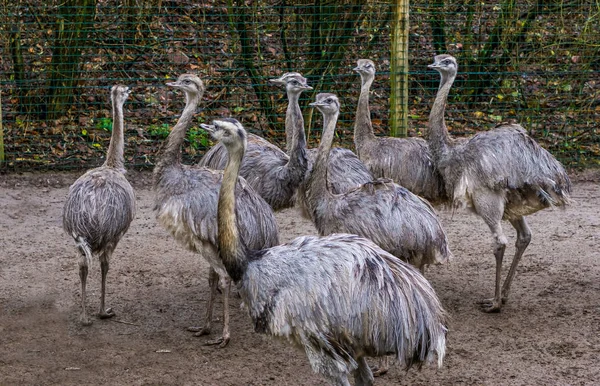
[{"x": 532, "y": 61}]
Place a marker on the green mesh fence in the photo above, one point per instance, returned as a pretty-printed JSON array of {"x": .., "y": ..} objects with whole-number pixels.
[{"x": 536, "y": 62}]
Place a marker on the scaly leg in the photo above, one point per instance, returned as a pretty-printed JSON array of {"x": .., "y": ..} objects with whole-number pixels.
[
  {"x": 224, "y": 339},
  {"x": 490, "y": 207},
  {"x": 523, "y": 239},
  {"x": 363, "y": 375},
  {"x": 104, "y": 265},
  {"x": 83, "y": 273},
  {"x": 213, "y": 282}
]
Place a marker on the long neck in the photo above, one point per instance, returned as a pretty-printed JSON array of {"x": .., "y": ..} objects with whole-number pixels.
[
  {"x": 317, "y": 186},
  {"x": 114, "y": 156},
  {"x": 438, "y": 137},
  {"x": 294, "y": 124},
  {"x": 363, "y": 129},
  {"x": 232, "y": 249},
  {"x": 172, "y": 151}
]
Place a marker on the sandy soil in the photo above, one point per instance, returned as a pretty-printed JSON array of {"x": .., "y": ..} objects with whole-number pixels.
[{"x": 548, "y": 333}]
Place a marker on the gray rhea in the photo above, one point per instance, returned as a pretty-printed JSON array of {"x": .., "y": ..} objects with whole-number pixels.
[
  {"x": 272, "y": 173},
  {"x": 397, "y": 220},
  {"x": 340, "y": 298},
  {"x": 186, "y": 206},
  {"x": 500, "y": 174},
  {"x": 100, "y": 206},
  {"x": 345, "y": 170},
  {"x": 407, "y": 161}
]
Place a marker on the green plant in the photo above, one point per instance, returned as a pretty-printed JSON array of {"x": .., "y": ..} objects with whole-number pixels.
[
  {"x": 198, "y": 138},
  {"x": 104, "y": 124},
  {"x": 161, "y": 131}
]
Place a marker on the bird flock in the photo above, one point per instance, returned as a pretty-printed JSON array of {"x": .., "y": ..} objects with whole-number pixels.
[{"x": 357, "y": 290}]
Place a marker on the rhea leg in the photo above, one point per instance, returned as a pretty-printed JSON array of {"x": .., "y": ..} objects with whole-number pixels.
[
  {"x": 104, "y": 265},
  {"x": 83, "y": 273},
  {"x": 363, "y": 375},
  {"x": 491, "y": 208},
  {"x": 523, "y": 239},
  {"x": 224, "y": 339},
  {"x": 213, "y": 282}
]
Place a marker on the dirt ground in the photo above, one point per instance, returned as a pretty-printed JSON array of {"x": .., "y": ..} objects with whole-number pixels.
[{"x": 548, "y": 332}]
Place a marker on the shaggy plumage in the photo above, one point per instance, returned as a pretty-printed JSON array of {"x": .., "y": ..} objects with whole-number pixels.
[
  {"x": 500, "y": 174},
  {"x": 339, "y": 297},
  {"x": 394, "y": 218},
  {"x": 407, "y": 161},
  {"x": 100, "y": 206},
  {"x": 272, "y": 173},
  {"x": 345, "y": 170},
  {"x": 186, "y": 206}
]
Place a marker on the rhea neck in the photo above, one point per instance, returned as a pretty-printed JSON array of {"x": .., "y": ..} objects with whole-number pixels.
[
  {"x": 318, "y": 179},
  {"x": 294, "y": 123},
  {"x": 438, "y": 138},
  {"x": 363, "y": 129},
  {"x": 114, "y": 156},
  {"x": 172, "y": 151},
  {"x": 232, "y": 249}
]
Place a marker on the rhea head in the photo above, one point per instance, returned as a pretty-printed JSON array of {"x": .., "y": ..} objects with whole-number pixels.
[
  {"x": 365, "y": 67},
  {"x": 293, "y": 81},
  {"x": 327, "y": 103},
  {"x": 444, "y": 64},
  {"x": 229, "y": 131},
  {"x": 119, "y": 93},
  {"x": 188, "y": 83}
]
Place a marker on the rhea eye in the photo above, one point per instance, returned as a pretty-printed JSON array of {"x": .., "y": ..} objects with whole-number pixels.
[
  {"x": 446, "y": 61},
  {"x": 328, "y": 100},
  {"x": 187, "y": 81},
  {"x": 295, "y": 82}
]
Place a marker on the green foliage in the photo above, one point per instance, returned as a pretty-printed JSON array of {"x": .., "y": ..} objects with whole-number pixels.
[
  {"x": 159, "y": 131},
  {"x": 198, "y": 139},
  {"x": 104, "y": 124}
]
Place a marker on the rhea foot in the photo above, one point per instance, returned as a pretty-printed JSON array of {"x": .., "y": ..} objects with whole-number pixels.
[
  {"x": 106, "y": 314},
  {"x": 379, "y": 371},
  {"x": 85, "y": 321},
  {"x": 199, "y": 331},
  {"x": 491, "y": 305},
  {"x": 382, "y": 368},
  {"x": 221, "y": 341}
]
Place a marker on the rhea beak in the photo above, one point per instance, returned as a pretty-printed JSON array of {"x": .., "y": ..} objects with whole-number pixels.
[
  {"x": 172, "y": 84},
  {"x": 277, "y": 81},
  {"x": 357, "y": 69},
  {"x": 433, "y": 65},
  {"x": 209, "y": 128},
  {"x": 316, "y": 104},
  {"x": 306, "y": 87}
]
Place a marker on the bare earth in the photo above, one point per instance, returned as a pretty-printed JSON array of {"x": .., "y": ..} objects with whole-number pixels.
[{"x": 548, "y": 332}]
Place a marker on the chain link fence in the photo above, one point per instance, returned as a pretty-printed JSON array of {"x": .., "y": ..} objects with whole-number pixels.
[{"x": 536, "y": 62}]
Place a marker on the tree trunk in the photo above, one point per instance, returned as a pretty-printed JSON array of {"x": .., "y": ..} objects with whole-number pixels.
[
  {"x": 74, "y": 20},
  {"x": 1, "y": 133},
  {"x": 438, "y": 24},
  {"x": 399, "y": 70},
  {"x": 16, "y": 53}
]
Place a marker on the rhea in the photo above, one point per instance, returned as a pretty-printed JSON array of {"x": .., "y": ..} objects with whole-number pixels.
[
  {"x": 407, "y": 161},
  {"x": 340, "y": 297},
  {"x": 500, "y": 174},
  {"x": 344, "y": 170},
  {"x": 186, "y": 206},
  {"x": 100, "y": 206},
  {"x": 397, "y": 220},
  {"x": 273, "y": 174}
]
